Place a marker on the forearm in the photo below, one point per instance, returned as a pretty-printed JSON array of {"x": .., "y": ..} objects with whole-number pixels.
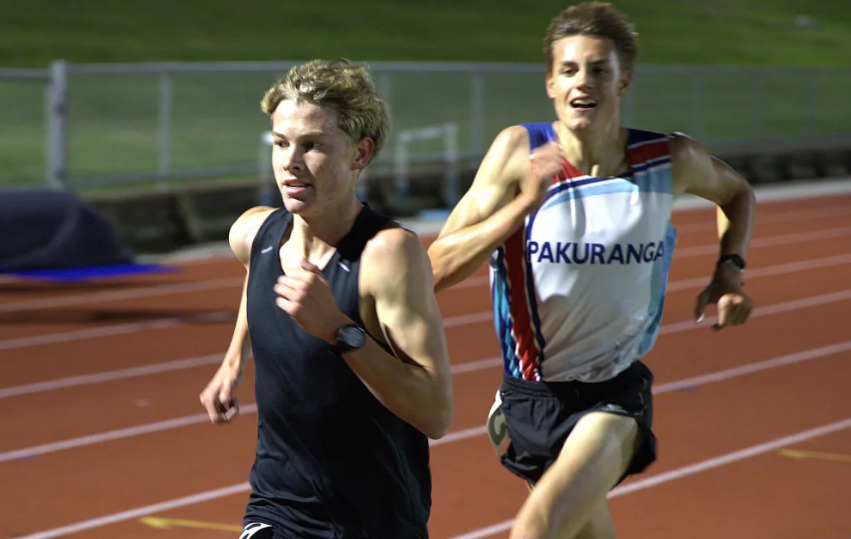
[
  {"x": 459, "y": 254},
  {"x": 736, "y": 221},
  {"x": 409, "y": 391}
]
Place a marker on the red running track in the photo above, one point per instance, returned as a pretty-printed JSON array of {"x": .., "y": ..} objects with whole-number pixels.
[{"x": 102, "y": 427}]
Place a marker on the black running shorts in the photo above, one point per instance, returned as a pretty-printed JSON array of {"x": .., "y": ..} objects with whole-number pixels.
[{"x": 540, "y": 415}]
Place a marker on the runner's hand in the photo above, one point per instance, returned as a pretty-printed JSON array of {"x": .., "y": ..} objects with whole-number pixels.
[
  {"x": 306, "y": 296},
  {"x": 734, "y": 306},
  {"x": 217, "y": 398},
  {"x": 545, "y": 163}
]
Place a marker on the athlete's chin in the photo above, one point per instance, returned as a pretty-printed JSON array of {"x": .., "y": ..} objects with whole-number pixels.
[
  {"x": 580, "y": 125},
  {"x": 298, "y": 206}
]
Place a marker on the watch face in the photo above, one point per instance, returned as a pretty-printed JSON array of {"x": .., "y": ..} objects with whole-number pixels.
[{"x": 352, "y": 336}]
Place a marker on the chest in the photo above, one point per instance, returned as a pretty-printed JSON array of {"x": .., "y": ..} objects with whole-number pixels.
[
  {"x": 338, "y": 270},
  {"x": 611, "y": 212}
]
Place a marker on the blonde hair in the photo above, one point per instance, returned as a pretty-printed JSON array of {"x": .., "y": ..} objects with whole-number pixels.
[
  {"x": 346, "y": 87},
  {"x": 595, "y": 19}
]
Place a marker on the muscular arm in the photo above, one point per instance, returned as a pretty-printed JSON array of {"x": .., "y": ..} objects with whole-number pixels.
[
  {"x": 417, "y": 386},
  {"x": 487, "y": 214},
  {"x": 698, "y": 173}
]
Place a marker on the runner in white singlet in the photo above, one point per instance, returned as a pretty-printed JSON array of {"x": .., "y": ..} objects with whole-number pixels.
[{"x": 573, "y": 217}]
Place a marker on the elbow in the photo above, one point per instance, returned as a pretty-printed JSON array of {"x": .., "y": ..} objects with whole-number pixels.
[
  {"x": 750, "y": 196},
  {"x": 440, "y": 270},
  {"x": 743, "y": 196},
  {"x": 437, "y": 424},
  {"x": 441, "y": 279},
  {"x": 741, "y": 208},
  {"x": 438, "y": 427}
]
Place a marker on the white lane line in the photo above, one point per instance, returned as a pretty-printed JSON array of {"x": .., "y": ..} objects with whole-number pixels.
[
  {"x": 766, "y": 196},
  {"x": 758, "y": 312},
  {"x": 139, "y": 512},
  {"x": 773, "y": 218},
  {"x": 185, "y": 421},
  {"x": 648, "y": 482},
  {"x": 108, "y": 376},
  {"x": 696, "y": 381},
  {"x": 120, "y": 329},
  {"x": 675, "y": 327},
  {"x": 212, "y": 284},
  {"x": 118, "y": 434},
  {"x": 686, "y": 325},
  {"x": 168, "y": 366},
  {"x": 117, "y": 295},
  {"x": 768, "y": 271},
  {"x": 109, "y": 331},
  {"x": 771, "y": 241},
  {"x": 685, "y": 471}
]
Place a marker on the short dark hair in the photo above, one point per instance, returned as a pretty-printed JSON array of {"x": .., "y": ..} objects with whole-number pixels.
[{"x": 599, "y": 19}]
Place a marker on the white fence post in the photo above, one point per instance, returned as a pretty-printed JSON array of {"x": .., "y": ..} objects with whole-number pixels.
[
  {"x": 402, "y": 158},
  {"x": 56, "y": 115},
  {"x": 266, "y": 186},
  {"x": 477, "y": 111},
  {"x": 166, "y": 98}
]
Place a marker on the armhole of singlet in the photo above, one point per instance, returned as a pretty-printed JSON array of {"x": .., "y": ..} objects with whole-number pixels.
[
  {"x": 634, "y": 160},
  {"x": 541, "y": 133},
  {"x": 263, "y": 228},
  {"x": 631, "y": 135},
  {"x": 670, "y": 186}
]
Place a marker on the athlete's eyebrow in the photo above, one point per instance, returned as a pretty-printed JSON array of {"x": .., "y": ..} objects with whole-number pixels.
[
  {"x": 602, "y": 61},
  {"x": 309, "y": 134}
]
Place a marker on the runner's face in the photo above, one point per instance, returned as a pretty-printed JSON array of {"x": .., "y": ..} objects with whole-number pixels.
[
  {"x": 314, "y": 161},
  {"x": 586, "y": 82}
]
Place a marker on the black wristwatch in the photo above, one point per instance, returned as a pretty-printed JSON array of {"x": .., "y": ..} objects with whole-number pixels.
[
  {"x": 734, "y": 261},
  {"x": 349, "y": 337}
]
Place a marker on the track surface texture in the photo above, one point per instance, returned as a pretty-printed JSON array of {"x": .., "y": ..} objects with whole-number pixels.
[{"x": 103, "y": 435}]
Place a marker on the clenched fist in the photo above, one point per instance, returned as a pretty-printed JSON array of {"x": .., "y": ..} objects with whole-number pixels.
[
  {"x": 217, "y": 398},
  {"x": 545, "y": 163},
  {"x": 307, "y": 298},
  {"x": 734, "y": 306}
]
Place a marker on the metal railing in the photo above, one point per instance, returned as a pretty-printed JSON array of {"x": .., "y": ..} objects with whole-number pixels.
[{"x": 74, "y": 126}]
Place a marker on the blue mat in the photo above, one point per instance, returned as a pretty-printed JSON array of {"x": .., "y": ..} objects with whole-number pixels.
[
  {"x": 67, "y": 275},
  {"x": 57, "y": 236}
]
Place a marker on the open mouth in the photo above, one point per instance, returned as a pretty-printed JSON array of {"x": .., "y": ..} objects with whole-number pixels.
[
  {"x": 295, "y": 186},
  {"x": 583, "y": 103}
]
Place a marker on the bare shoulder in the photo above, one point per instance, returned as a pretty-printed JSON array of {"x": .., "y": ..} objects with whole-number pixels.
[
  {"x": 512, "y": 138},
  {"x": 510, "y": 152},
  {"x": 394, "y": 245},
  {"x": 497, "y": 180},
  {"x": 395, "y": 255},
  {"x": 244, "y": 229},
  {"x": 685, "y": 148},
  {"x": 695, "y": 171},
  {"x": 689, "y": 161}
]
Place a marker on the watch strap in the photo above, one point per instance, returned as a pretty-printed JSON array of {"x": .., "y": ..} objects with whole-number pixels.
[{"x": 734, "y": 261}]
